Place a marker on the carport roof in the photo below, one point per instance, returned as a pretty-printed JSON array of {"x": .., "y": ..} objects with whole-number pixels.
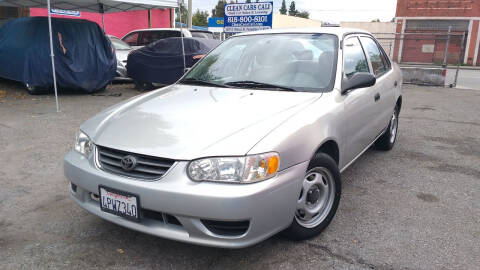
[{"x": 93, "y": 5}]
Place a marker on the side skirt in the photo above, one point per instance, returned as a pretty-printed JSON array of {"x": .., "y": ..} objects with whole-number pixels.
[{"x": 363, "y": 151}]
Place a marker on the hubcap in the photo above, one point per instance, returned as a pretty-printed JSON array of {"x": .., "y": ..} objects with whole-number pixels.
[
  {"x": 393, "y": 126},
  {"x": 316, "y": 198}
]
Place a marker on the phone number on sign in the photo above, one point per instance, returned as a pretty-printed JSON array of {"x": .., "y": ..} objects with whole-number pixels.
[{"x": 248, "y": 19}]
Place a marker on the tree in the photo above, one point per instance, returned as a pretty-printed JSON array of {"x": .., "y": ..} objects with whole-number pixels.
[
  {"x": 283, "y": 9},
  {"x": 184, "y": 14},
  {"x": 303, "y": 14},
  {"x": 376, "y": 20},
  {"x": 292, "y": 11},
  {"x": 219, "y": 10},
  {"x": 200, "y": 18}
]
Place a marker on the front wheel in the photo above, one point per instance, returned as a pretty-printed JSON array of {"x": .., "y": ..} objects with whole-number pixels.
[{"x": 318, "y": 200}]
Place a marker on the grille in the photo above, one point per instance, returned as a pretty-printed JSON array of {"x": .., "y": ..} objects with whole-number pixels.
[{"x": 147, "y": 167}]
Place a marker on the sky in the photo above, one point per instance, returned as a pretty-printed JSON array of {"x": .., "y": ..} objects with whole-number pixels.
[{"x": 329, "y": 10}]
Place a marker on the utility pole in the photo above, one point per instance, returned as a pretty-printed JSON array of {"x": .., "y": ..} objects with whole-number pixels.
[
  {"x": 149, "y": 15},
  {"x": 190, "y": 14},
  {"x": 445, "y": 57}
]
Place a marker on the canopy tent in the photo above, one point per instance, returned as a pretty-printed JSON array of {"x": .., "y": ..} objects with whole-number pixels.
[
  {"x": 100, "y": 6},
  {"x": 93, "y": 5}
]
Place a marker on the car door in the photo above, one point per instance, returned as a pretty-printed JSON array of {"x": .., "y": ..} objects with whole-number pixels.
[
  {"x": 385, "y": 86},
  {"x": 360, "y": 111}
]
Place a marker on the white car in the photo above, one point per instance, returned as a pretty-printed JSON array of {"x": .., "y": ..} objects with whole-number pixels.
[
  {"x": 122, "y": 50},
  {"x": 142, "y": 37},
  {"x": 250, "y": 142}
]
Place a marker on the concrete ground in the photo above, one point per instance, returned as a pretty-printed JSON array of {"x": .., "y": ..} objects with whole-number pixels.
[
  {"x": 415, "y": 207},
  {"x": 467, "y": 78}
]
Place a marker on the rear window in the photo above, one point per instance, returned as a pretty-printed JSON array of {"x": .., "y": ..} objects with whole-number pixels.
[
  {"x": 203, "y": 35},
  {"x": 152, "y": 36}
]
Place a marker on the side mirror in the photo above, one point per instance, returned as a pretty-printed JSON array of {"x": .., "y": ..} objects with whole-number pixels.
[{"x": 359, "y": 80}]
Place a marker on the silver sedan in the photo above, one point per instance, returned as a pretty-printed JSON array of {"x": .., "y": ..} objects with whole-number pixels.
[
  {"x": 122, "y": 50},
  {"x": 250, "y": 142}
]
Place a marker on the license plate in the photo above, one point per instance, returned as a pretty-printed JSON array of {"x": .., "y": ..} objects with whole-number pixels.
[{"x": 119, "y": 203}]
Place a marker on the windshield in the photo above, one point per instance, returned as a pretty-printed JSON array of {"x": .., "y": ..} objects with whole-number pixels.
[
  {"x": 119, "y": 45},
  {"x": 300, "y": 62}
]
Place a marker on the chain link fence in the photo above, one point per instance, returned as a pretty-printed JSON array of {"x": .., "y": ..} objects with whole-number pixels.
[{"x": 425, "y": 57}]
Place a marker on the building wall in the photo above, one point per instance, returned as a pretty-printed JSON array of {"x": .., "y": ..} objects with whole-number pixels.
[
  {"x": 120, "y": 23},
  {"x": 285, "y": 21},
  {"x": 372, "y": 27},
  {"x": 438, "y": 8},
  {"x": 433, "y": 11}
]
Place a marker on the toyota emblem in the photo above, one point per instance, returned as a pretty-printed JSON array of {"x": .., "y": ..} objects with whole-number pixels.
[{"x": 128, "y": 163}]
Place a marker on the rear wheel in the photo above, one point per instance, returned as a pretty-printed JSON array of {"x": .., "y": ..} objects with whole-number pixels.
[
  {"x": 318, "y": 200},
  {"x": 388, "y": 139},
  {"x": 33, "y": 90}
]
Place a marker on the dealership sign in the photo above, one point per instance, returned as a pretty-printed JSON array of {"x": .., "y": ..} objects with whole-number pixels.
[
  {"x": 215, "y": 24},
  {"x": 248, "y": 17},
  {"x": 72, "y": 13}
]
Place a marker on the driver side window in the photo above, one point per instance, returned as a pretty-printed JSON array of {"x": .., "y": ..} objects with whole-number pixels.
[{"x": 355, "y": 60}]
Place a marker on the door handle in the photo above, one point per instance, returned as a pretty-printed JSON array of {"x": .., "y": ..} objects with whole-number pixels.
[
  {"x": 377, "y": 97},
  {"x": 395, "y": 84}
]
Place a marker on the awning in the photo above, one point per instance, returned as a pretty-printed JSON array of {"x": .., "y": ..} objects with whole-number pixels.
[{"x": 93, "y": 5}]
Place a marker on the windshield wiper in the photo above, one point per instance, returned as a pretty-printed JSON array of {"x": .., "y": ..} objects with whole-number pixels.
[
  {"x": 201, "y": 82},
  {"x": 254, "y": 84}
]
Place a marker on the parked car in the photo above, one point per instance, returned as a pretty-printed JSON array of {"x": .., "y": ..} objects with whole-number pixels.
[
  {"x": 142, "y": 37},
  {"x": 122, "y": 50},
  {"x": 249, "y": 143},
  {"x": 84, "y": 57},
  {"x": 202, "y": 34},
  {"x": 161, "y": 62}
]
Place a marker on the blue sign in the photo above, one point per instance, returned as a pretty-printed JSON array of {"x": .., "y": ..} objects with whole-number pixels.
[
  {"x": 73, "y": 13},
  {"x": 215, "y": 22},
  {"x": 248, "y": 17}
]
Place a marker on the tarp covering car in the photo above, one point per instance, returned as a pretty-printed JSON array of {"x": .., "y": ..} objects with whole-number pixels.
[
  {"x": 84, "y": 57},
  {"x": 162, "y": 61}
]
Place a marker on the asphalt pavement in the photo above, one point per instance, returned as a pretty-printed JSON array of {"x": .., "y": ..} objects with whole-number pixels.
[{"x": 415, "y": 207}]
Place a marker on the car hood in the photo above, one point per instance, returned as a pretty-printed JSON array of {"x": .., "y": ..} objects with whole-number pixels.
[{"x": 185, "y": 122}]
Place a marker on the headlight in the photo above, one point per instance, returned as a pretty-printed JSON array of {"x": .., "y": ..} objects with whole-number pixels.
[
  {"x": 249, "y": 169},
  {"x": 83, "y": 144}
]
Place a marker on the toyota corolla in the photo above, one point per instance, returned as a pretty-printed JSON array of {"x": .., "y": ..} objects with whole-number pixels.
[{"x": 249, "y": 143}]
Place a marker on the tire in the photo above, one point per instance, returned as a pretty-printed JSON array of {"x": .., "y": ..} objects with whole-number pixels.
[
  {"x": 33, "y": 90},
  {"x": 388, "y": 139},
  {"x": 322, "y": 168},
  {"x": 144, "y": 86}
]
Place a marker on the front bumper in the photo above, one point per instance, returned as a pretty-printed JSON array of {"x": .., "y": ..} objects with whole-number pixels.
[{"x": 269, "y": 206}]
